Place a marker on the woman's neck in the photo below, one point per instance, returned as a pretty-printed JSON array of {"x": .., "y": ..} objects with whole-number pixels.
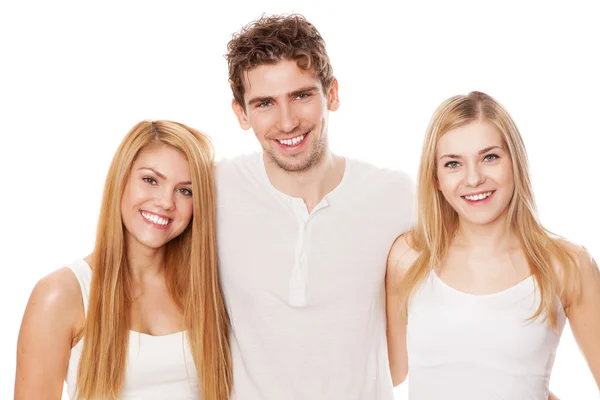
[{"x": 488, "y": 238}]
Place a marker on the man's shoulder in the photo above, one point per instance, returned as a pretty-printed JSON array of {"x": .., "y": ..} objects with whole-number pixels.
[
  {"x": 383, "y": 178},
  {"x": 390, "y": 191},
  {"x": 241, "y": 165},
  {"x": 237, "y": 161}
]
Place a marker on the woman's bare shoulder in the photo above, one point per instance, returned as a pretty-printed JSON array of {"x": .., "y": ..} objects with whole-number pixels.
[
  {"x": 402, "y": 255},
  {"x": 57, "y": 298}
]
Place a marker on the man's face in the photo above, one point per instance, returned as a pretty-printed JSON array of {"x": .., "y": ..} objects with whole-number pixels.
[{"x": 287, "y": 108}]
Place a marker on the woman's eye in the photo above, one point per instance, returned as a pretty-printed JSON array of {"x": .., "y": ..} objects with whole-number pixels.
[
  {"x": 185, "y": 192},
  {"x": 490, "y": 157},
  {"x": 451, "y": 164},
  {"x": 149, "y": 180}
]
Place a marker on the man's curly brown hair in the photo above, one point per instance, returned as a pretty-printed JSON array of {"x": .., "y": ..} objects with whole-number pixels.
[{"x": 271, "y": 39}]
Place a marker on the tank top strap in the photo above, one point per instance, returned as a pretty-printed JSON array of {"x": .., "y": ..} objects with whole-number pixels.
[{"x": 83, "y": 273}]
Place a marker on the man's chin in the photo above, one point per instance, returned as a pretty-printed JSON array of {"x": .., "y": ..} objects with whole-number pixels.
[{"x": 293, "y": 164}]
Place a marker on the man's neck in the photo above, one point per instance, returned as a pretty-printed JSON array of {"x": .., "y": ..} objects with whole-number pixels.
[{"x": 312, "y": 184}]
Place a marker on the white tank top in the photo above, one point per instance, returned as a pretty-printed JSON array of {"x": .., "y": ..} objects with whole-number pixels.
[
  {"x": 158, "y": 367},
  {"x": 474, "y": 347}
]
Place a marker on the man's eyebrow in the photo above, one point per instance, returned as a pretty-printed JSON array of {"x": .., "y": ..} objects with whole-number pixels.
[
  {"x": 305, "y": 89},
  {"x": 294, "y": 93},
  {"x": 260, "y": 99}
]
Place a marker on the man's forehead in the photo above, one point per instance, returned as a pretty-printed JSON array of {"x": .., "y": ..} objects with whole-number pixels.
[{"x": 282, "y": 78}]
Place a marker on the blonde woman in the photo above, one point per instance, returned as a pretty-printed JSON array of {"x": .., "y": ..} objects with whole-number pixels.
[
  {"x": 142, "y": 316},
  {"x": 478, "y": 293}
]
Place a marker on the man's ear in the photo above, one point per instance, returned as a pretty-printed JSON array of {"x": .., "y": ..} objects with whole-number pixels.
[
  {"x": 333, "y": 100},
  {"x": 240, "y": 113}
]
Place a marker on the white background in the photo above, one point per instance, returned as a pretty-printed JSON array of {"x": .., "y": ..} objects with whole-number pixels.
[{"x": 76, "y": 76}]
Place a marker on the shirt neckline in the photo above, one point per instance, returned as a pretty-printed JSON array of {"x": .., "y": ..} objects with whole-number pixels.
[{"x": 267, "y": 181}]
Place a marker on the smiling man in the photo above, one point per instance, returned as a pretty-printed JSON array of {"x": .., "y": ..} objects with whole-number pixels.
[{"x": 303, "y": 233}]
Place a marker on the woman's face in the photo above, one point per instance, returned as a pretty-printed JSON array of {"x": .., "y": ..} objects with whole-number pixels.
[
  {"x": 474, "y": 172},
  {"x": 157, "y": 201}
]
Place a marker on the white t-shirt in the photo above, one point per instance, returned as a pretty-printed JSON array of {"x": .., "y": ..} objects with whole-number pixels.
[{"x": 305, "y": 292}]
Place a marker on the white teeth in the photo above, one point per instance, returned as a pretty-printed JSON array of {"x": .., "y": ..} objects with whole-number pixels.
[
  {"x": 293, "y": 141},
  {"x": 479, "y": 196},
  {"x": 155, "y": 219}
]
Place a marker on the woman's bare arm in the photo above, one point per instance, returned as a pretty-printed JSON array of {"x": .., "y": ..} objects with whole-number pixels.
[
  {"x": 399, "y": 260},
  {"x": 584, "y": 315},
  {"x": 53, "y": 317}
]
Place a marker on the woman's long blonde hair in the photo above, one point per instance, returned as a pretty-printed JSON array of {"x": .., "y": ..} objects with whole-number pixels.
[
  {"x": 190, "y": 273},
  {"x": 437, "y": 221}
]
